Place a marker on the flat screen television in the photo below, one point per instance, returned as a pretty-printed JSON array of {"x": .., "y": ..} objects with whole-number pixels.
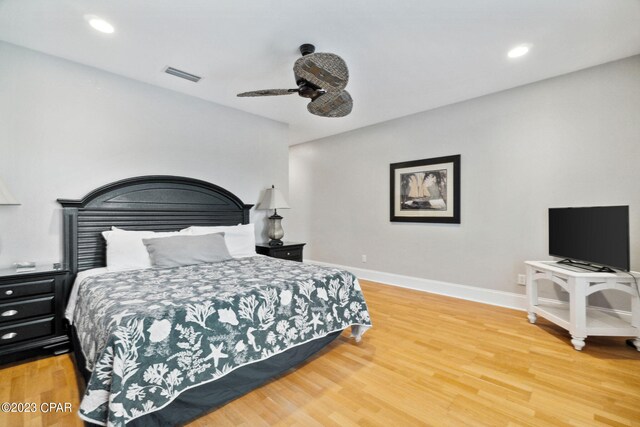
[{"x": 593, "y": 235}]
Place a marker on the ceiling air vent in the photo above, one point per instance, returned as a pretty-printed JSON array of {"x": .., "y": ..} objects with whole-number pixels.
[{"x": 182, "y": 74}]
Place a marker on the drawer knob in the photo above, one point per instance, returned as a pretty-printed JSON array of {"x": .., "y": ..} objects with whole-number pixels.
[
  {"x": 288, "y": 253},
  {"x": 9, "y": 336},
  {"x": 9, "y": 292},
  {"x": 9, "y": 313}
]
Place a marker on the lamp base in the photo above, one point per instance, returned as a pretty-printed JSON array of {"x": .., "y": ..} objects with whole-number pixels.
[{"x": 275, "y": 231}]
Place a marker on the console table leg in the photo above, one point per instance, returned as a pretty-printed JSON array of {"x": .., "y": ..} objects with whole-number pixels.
[
  {"x": 532, "y": 294},
  {"x": 577, "y": 311},
  {"x": 578, "y": 342}
]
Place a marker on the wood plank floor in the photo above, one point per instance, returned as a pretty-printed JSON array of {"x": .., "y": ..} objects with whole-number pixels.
[{"x": 429, "y": 360}]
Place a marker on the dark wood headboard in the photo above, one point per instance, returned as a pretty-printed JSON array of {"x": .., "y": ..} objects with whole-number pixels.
[{"x": 155, "y": 202}]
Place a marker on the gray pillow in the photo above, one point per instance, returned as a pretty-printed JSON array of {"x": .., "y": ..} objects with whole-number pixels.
[{"x": 175, "y": 251}]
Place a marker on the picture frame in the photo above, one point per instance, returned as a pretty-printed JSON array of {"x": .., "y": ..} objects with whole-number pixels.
[{"x": 426, "y": 190}]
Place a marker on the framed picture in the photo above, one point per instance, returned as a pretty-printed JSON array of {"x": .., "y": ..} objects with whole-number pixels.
[{"x": 426, "y": 190}]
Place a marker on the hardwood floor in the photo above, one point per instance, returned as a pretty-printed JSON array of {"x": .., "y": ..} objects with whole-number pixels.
[{"x": 429, "y": 360}]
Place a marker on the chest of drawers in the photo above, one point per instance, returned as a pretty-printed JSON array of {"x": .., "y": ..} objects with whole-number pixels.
[{"x": 31, "y": 314}]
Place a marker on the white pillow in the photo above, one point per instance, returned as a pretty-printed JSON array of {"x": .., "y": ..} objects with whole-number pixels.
[
  {"x": 240, "y": 239},
  {"x": 126, "y": 251}
]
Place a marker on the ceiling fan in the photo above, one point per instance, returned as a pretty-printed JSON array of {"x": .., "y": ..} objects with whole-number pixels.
[{"x": 320, "y": 77}]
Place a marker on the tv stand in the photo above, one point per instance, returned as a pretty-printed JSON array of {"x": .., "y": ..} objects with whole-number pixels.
[
  {"x": 587, "y": 266},
  {"x": 582, "y": 321}
]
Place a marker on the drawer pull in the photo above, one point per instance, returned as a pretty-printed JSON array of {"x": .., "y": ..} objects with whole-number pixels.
[
  {"x": 9, "y": 292},
  {"x": 288, "y": 253},
  {"x": 9, "y": 336},
  {"x": 9, "y": 313}
]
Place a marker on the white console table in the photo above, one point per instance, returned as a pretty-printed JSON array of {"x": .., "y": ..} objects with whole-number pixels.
[{"x": 580, "y": 320}]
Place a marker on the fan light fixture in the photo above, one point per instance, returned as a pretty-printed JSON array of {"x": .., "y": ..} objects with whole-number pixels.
[
  {"x": 519, "y": 51},
  {"x": 99, "y": 24}
]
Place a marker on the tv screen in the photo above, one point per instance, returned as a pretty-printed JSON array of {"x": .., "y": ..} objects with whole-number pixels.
[{"x": 598, "y": 235}]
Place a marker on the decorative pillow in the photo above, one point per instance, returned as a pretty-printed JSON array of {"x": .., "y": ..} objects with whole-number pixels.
[
  {"x": 240, "y": 239},
  {"x": 176, "y": 251},
  {"x": 125, "y": 250}
]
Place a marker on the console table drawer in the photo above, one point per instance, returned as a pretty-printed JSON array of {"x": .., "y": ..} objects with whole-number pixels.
[
  {"x": 27, "y": 330},
  {"x": 24, "y": 309},
  {"x": 25, "y": 289}
]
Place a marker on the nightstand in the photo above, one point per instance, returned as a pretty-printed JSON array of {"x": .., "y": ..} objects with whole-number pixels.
[
  {"x": 289, "y": 250},
  {"x": 31, "y": 313}
]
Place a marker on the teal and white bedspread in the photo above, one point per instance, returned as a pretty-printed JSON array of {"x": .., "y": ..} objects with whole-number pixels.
[{"x": 148, "y": 335}]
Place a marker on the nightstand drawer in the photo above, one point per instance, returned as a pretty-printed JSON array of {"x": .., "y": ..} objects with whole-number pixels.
[
  {"x": 23, "y": 309},
  {"x": 291, "y": 254},
  {"x": 27, "y": 330},
  {"x": 24, "y": 289},
  {"x": 291, "y": 251}
]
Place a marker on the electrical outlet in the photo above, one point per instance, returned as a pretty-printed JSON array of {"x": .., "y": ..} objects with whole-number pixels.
[
  {"x": 522, "y": 279},
  {"x": 364, "y": 258}
]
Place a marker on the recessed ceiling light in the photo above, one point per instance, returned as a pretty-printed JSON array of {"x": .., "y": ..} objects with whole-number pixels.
[
  {"x": 99, "y": 24},
  {"x": 518, "y": 51}
]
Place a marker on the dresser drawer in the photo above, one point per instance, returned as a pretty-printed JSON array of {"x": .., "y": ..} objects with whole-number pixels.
[
  {"x": 26, "y": 330},
  {"x": 25, "y": 289},
  {"x": 10, "y": 311}
]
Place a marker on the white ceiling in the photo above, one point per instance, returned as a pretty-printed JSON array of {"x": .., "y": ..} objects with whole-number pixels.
[{"x": 404, "y": 56}]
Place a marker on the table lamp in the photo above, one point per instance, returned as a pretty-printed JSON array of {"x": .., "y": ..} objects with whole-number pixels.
[{"x": 273, "y": 199}]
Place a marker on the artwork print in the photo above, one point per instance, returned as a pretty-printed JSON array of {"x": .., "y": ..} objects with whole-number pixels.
[{"x": 426, "y": 190}]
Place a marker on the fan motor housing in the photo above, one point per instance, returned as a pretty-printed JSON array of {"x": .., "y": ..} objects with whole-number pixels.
[{"x": 308, "y": 90}]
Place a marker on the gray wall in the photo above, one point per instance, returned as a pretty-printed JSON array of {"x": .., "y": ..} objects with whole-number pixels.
[
  {"x": 569, "y": 141},
  {"x": 66, "y": 129}
]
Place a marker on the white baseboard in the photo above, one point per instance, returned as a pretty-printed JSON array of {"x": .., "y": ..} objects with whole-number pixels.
[{"x": 470, "y": 293}]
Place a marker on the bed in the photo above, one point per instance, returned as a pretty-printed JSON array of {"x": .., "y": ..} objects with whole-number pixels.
[{"x": 164, "y": 345}]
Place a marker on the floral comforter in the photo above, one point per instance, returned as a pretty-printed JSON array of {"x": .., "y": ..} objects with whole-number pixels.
[{"x": 148, "y": 335}]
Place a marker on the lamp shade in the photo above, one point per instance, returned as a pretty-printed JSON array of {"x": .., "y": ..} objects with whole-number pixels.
[
  {"x": 6, "y": 198},
  {"x": 273, "y": 199}
]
